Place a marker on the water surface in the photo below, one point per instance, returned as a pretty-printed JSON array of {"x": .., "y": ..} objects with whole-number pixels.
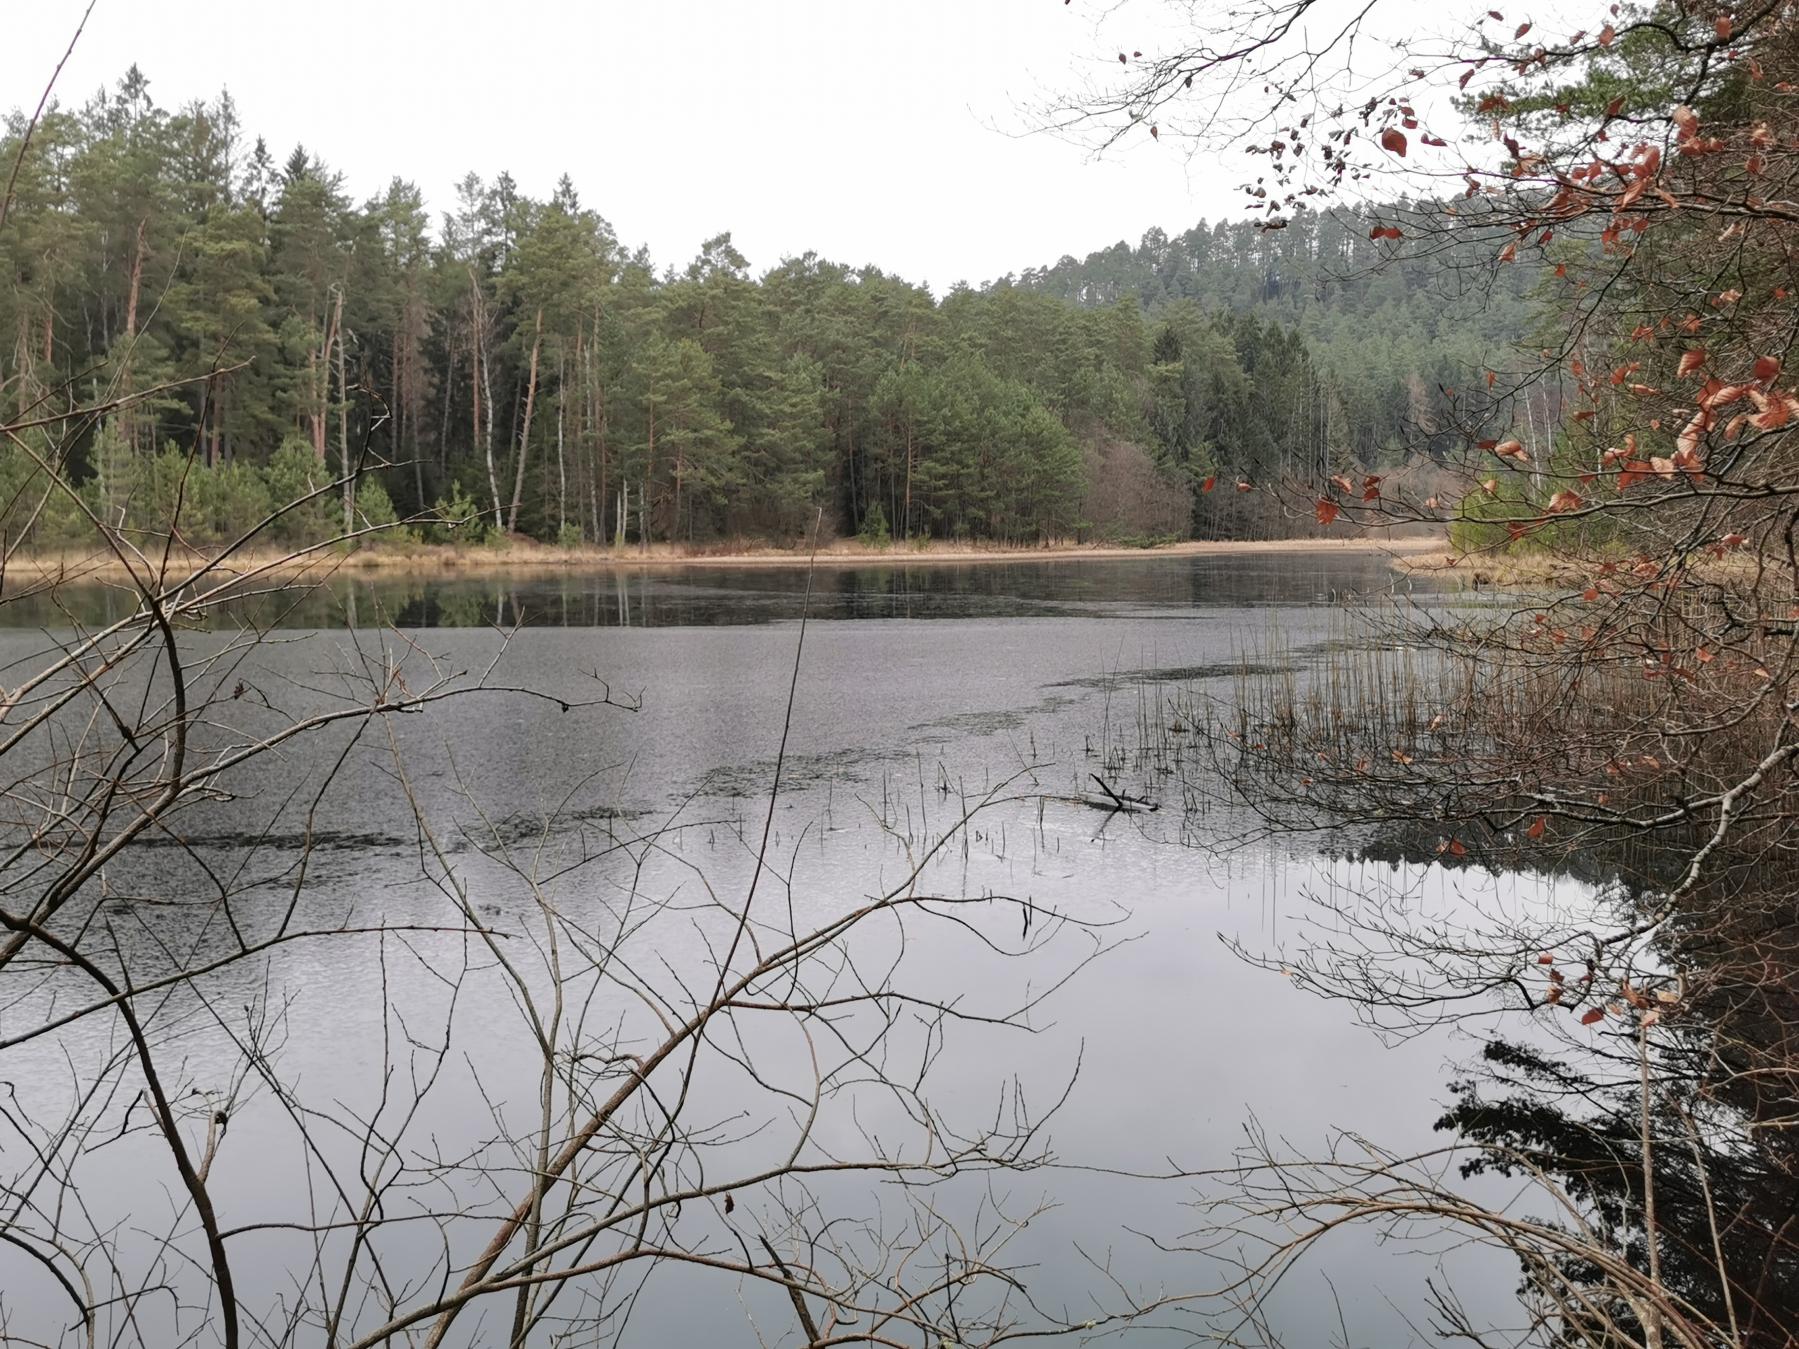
[{"x": 920, "y": 691}]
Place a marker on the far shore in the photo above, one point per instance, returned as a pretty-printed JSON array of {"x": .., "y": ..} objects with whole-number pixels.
[{"x": 521, "y": 555}]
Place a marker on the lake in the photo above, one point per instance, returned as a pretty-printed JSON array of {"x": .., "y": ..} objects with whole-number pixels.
[{"x": 615, "y": 843}]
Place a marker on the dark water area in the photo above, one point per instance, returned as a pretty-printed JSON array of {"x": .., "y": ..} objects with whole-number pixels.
[
  {"x": 1024, "y": 679},
  {"x": 708, "y": 596}
]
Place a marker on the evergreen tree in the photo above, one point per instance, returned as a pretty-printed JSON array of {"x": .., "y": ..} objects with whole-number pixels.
[{"x": 517, "y": 355}]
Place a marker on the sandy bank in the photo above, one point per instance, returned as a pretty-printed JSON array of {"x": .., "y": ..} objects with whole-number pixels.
[{"x": 443, "y": 560}]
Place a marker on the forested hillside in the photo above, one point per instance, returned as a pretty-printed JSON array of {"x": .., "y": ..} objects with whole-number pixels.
[
  {"x": 513, "y": 361},
  {"x": 1390, "y": 328}
]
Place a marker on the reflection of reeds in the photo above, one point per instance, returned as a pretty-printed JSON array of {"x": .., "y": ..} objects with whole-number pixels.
[
  {"x": 1644, "y": 743},
  {"x": 1487, "y": 728}
]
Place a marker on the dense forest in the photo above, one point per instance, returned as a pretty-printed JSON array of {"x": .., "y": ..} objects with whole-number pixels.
[
  {"x": 515, "y": 364},
  {"x": 1392, "y": 328}
]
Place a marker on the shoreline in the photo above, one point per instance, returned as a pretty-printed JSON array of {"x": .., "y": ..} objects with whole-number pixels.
[
  {"x": 447, "y": 560},
  {"x": 1497, "y": 570}
]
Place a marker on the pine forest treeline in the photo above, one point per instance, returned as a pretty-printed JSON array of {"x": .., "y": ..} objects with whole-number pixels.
[{"x": 515, "y": 364}]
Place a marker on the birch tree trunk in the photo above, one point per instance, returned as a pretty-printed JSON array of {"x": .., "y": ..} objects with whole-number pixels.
[
  {"x": 481, "y": 377},
  {"x": 597, "y": 416},
  {"x": 524, "y": 438},
  {"x": 132, "y": 294},
  {"x": 343, "y": 418},
  {"x": 318, "y": 369},
  {"x": 561, "y": 467},
  {"x": 649, "y": 471}
]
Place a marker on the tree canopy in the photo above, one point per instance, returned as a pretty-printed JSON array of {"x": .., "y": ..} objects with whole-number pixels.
[{"x": 516, "y": 358}]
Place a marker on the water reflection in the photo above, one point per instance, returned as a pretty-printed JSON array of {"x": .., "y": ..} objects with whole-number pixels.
[
  {"x": 708, "y": 596},
  {"x": 898, "y": 725}
]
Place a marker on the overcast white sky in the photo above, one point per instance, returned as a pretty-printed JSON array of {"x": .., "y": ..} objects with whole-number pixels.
[{"x": 880, "y": 131}]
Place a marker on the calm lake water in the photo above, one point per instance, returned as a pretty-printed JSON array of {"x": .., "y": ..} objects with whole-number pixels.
[{"x": 919, "y": 689}]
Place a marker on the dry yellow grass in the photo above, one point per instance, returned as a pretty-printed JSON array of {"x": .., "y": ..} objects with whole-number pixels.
[
  {"x": 1530, "y": 571},
  {"x": 526, "y": 555},
  {"x": 1548, "y": 571}
]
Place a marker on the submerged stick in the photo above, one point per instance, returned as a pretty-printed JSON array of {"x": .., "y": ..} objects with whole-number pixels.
[{"x": 1129, "y": 803}]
